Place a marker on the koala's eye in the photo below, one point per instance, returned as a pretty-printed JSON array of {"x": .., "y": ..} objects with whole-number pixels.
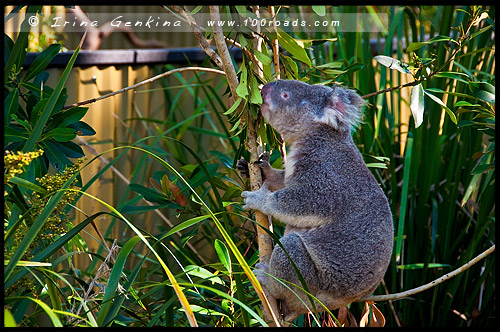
[{"x": 284, "y": 95}]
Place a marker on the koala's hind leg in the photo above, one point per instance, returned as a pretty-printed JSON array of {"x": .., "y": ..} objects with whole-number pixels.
[{"x": 281, "y": 267}]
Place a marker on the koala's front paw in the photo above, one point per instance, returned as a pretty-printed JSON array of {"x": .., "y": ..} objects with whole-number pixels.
[
  {"x": 242, "y": 166},
  {"x": 263, "y": 161},
  {"x": 254, "y": 200}
]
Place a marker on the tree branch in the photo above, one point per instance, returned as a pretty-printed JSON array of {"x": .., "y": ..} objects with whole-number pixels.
[
  {"x": 95, "y": 36},
  {"x": 432, "y": 283},
  {"x": 391, "y": 89},
  {"x": 264, "y": 240},
  {"x": 198, "y": 34},
  {"x": 149, "y": 80}
]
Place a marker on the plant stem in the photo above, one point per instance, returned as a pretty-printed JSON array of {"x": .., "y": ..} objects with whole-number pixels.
[{"x": 432, "y": 283}]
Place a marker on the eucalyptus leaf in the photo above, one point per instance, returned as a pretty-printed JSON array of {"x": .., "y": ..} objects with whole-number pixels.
[
  {"x": 483, "y": 90},
  {"x": 416, "y": 45},
  {"x": 255, "y": 96},
  {"x": 417, "y": 104},
  {"x": 392, "y": 63},
  {"x": 319, "y": 10},
  {"x": 242, "y": 89},
  {"x": 291, "y": 45},
  {"x": 440, "y": 102}
]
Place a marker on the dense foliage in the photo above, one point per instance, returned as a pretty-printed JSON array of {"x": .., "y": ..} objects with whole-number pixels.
[{"x": 438, "y": 171}]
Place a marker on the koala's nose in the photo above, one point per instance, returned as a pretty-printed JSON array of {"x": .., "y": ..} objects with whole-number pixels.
[{"x": 266, "y": 88}]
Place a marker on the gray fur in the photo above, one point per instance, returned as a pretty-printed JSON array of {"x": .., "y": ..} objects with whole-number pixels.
[{"x": 339, "y": 225}]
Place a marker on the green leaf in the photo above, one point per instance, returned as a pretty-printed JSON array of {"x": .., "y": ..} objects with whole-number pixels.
[
  {"x": 255, "y": 96},
  {"x": 465, "y": 123},
  {"x": 417, "y": 104},
  {"x": 50, "y": 312},
  {"x": 422, "y": 265},
  {"x": 291, "y": 45},
  {"x": 70, "y": 149},
  {"x": 59, "y": 134},
  {"x": 263, "y": 58},
  {"x": 319, "y": 10},
  {"x": 354, "y": 67},
  {"x": 186, "y": 224},
  {"x": 14, "y": 135},
  {"x": 35, "y": 112},
  {"x": 47, "y": 111},
  {"x": 18, "y": 52},
  {"x": 461, "y": 77},
  {"x": 483, "y": 90},
  {"x": 42, "y": 61},
  {"x": 56, "y": 157},
  {"x": 70, "y": 116},
  {"x": 146, "y": 208},
  {"x": 234, "y": 106},
  {"x": 196, "y": 9},
  {"x": 8, "y": 319},
  {"x": 224, "y": 159},
  {"x": 292, "y": 71},
  {"x": 8, "y": 44},
  {"x": 203, "y": 273},
  {"x": 242, "y": 89},
  {"x": 235, "y": 126},
  {"x": 334, "y": 65},
  {"x": 440, "y": 102},
  {"x": 377, "y": 165},
  {"x": 27, "y": 184},
  {"x": 149, "y": 194},
  {"x": 404, "y": 196},
  {"x": 223, "y": 254},
  {"x": 114, "y": 278},
  {"x": 82, "y": 129},
  {"x": 10, "y": 105},
  {"x": 438, "y": 39},
  {"x": 464, "y": 103},
  {"x": 13, "y": 12}
]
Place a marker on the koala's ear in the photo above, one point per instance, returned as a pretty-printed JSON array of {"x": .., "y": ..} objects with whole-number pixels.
[{"x": 343, "y": 109}]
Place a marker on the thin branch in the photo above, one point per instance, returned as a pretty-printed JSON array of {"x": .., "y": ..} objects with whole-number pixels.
[
  {"x": 103, "y": 269},
  {"x": 432, "y": 283},
  {"x": 97, "y": 35},
  {"x": 198, "y": 35},
  {"x": 149, "y": 80},
  {"x": 201, "y": 29},
  {"x": 391, "y": 89},
  {"x": 276, "y": 62},
  {"x": 227, "y": 63},
  {"x": 276, "y": 47}
]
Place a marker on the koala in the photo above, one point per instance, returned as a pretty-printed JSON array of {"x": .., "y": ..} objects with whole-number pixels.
[{"x": 339, "y": 228}]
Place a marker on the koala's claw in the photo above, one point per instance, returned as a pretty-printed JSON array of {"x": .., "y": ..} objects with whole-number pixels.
[
  {"x": 262, "y": 162},
  {"x": 263, "y": 159},
  {"x": 242, "y": 166}
]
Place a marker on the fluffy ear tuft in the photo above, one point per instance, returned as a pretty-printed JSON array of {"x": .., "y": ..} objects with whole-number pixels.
[{"x": 343, "y": 109}]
